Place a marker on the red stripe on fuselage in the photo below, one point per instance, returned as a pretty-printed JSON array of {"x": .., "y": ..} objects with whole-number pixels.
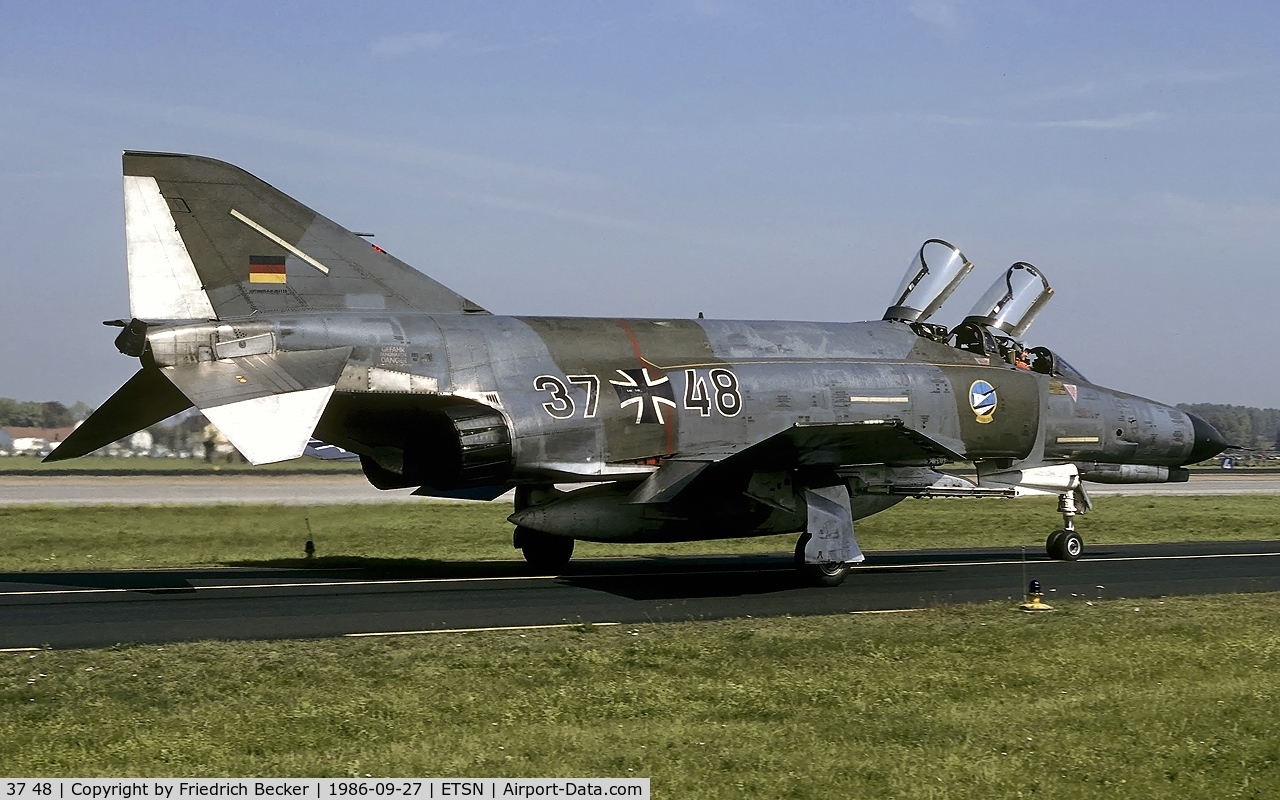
[{"x": 668, "y": 420}]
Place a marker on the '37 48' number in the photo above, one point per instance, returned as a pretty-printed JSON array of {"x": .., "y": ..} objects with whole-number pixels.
[
  {"x": 722, "y": 392},
  {"x": 715, "y": 389}
]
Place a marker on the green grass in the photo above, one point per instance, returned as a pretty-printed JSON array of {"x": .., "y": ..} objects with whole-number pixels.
[
  {"x": 104, "y": 465},
  {"x": 1171, "y": 698},
  {"x": 119, "y": 537}
]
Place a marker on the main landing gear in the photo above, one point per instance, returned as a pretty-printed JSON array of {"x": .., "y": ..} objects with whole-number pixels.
[
  {"x": 543, "y": 551},
  {"x": 827, "y": 549},
  {"x": 825, "y": 574},
  {"x": 1065, "y": 544}
]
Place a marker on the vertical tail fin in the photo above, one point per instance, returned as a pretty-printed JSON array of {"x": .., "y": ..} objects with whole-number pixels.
[{"x": 209, "y": 240}]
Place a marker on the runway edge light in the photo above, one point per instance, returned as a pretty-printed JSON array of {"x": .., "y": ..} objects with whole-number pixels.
[{"x": 1035, "y": 599}]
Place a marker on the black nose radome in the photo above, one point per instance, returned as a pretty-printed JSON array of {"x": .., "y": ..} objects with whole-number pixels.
[{"x": 1208, "y": 442}]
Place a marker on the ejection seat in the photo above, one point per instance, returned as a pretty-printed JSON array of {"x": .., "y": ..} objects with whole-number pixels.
[
  {"x": 1043, "y": 361},
  {"x": 974, "y": 338}
]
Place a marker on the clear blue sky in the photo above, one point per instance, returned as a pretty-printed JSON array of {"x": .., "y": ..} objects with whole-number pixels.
[{"x": 748, "y": 160}]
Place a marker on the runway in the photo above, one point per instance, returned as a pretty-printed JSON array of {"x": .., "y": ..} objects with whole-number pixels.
[
  {"x": 96, "y": 609},
  {"x": 352, "y": 488}
]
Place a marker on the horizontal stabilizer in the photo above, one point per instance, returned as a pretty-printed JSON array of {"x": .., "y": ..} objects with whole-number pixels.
[
  {"x": 272, "y": 428},
  {"x": 233, "y": 380},
  {"x": 266, "y": 405},
  {"x": 146, "y": 399}
]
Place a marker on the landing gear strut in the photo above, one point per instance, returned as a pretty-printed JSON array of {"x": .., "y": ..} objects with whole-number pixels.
[
  {"x": 543, "y": 551},
  {"x": 825, "y": 574},
  {"x": 1065, "y": 544},
  {"x": 827, "y": 549}
]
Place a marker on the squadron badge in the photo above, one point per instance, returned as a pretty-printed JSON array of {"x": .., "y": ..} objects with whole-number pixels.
[{"x": 982, "y": 401}]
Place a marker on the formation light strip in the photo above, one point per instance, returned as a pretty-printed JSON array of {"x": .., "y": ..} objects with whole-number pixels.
[{"x": 280, "y": 241}]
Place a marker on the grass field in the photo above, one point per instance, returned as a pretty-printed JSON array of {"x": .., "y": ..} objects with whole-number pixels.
[
  {"x": 1170, "y": 698},
  {"x": 1159, "y": 698},
  {"x": 78, "y": 537}
]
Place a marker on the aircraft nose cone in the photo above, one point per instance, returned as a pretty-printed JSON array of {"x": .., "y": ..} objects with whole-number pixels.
[{"x": 1208, "y": 442}]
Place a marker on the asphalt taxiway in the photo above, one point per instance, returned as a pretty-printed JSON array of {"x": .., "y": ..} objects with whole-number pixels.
[
  {"x": 352, "y": 488},
  {"x": 94, "y": 609}
]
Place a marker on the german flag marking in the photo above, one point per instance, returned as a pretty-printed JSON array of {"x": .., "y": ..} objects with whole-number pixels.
[{"x": 266, "y": 269}]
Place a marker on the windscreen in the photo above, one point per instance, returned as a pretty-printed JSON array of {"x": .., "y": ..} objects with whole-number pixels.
[
  {"x": 934, "y": 274},
  {"x": 1067, "y": 371}
]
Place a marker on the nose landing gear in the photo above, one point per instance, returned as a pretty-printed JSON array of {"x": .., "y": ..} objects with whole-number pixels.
[{"x": 1065, "y": 544}]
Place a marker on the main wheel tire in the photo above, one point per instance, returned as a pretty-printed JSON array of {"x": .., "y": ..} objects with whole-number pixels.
[
  {"x": 828, "y": 574},
  {"x": 1053, "y": 544},
  {"x": 543, "y": 551},
  {"x": 1065, "y": 545},
  {"x": 1072, "y": 546}
]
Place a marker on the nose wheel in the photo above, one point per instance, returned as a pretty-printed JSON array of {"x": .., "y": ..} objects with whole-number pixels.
[{"x": 1065, "y": 544}]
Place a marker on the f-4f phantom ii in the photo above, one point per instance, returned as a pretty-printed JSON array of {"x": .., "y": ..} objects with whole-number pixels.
[{"x": 278, "y": 325}]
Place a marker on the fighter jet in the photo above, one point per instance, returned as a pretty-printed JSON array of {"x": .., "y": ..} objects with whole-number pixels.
[{"x": 280, "y": 325}]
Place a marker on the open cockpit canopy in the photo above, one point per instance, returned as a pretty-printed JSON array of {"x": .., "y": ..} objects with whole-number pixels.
[
  {"x": 934, "y": 274},
  {"x": 1013, "y": 301},
  {"x": 995, "y": 326}
]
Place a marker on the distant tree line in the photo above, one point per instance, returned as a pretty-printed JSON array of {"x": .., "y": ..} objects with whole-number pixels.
[
  {"x": 1241, "y": 425},
  {"x": 184, "y": 432},
  {"x": 31, "y": 414}
]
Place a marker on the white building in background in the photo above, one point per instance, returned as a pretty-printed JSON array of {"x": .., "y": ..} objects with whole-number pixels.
[
  {"x": 142, "y": 442},
  {"x": 32, "y": 441}
]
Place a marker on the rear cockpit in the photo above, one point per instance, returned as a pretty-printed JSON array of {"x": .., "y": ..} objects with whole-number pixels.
[{"x": 995, "y": 326}]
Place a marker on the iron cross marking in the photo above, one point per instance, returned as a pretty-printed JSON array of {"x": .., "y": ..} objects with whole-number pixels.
[{"x": 648, "y": 394}]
